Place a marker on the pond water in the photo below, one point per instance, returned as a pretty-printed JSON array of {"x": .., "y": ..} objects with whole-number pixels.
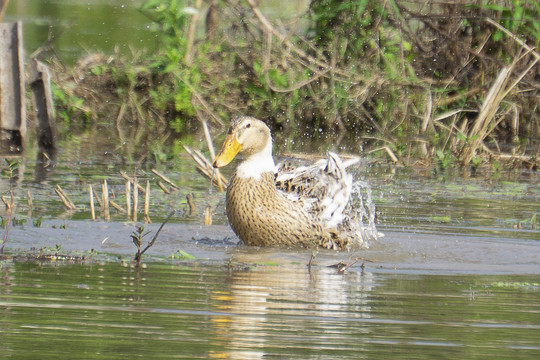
[
  {"x": 202, "y": 310},
  {"x": 453, "y": 277}
]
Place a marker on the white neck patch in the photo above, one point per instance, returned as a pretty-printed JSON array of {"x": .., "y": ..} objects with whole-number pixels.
[{"x": 256, "y": 164}]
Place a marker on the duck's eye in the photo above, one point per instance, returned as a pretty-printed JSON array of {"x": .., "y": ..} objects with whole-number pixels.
[{"x": 248, "y": 125}]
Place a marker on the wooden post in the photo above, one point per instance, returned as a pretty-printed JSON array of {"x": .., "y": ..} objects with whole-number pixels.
[
  {"x": 12, "y": 104},
  {"x": 40, "y": 83}
]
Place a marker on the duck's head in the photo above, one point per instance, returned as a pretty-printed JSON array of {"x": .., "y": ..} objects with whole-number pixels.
[{"x": 249, "y": 137}]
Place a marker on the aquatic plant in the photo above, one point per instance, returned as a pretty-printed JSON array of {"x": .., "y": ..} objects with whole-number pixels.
[{"x": 138, "y": 235}]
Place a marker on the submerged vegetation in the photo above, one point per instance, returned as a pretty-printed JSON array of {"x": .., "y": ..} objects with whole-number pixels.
[{"x": 441, "y": 83}]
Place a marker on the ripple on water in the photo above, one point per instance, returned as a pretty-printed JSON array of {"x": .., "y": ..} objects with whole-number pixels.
[{"x": 212, "y": 311}]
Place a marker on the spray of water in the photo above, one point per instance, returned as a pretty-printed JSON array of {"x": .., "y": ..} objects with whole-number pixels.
[{"x": 363, "y": 214}]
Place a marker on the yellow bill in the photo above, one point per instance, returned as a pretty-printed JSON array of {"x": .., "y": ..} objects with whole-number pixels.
[{"x": 230, "y": 148}]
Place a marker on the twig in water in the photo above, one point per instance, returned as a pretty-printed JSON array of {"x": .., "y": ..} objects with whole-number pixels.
[
  {"x": 343, "y": 267},
  {"x": 138, "y": 235},
  {"x": 311, "y": 259}
]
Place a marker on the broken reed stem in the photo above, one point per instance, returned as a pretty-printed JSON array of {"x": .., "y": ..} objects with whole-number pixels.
[
  {"x": 116, "y": 206},
  {"x": 105, "y": 194},
  {"x": 128, "y": 199},
  {"x": 208, "y": 216},
  {"x": 164, "y": 178},
  {"x": 98, "y": 198},
  {"x": 206, "y": 168},
  {"x": 132, "y": 180},
  {"x": 92, "y": 208},
  {"x": 135, "y": 199},
  {"x": 210, "y": 145},
  {"x": 65, "y": 199},
  {"x": 163, "y": 187},
  {"x": 147, "y": 203},
  {"x": 29, "y": 196},
  {"x": 8, "y": 206},
  {"x": 191, "y": 204}
]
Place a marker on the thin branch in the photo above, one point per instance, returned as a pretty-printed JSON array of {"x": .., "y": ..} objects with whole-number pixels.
[{"x": 138, "y": 257}]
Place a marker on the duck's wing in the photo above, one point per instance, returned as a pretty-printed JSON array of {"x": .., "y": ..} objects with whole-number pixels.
[{"x": 323, "y": 189}]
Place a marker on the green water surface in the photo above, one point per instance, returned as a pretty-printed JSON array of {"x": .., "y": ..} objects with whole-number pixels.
[{"x": 205, "y": 311}]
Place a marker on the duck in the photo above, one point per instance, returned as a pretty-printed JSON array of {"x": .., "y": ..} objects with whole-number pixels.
[{"x": 286, "y": 206}]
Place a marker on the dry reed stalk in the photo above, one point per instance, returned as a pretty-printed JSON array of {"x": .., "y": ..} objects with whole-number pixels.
[
  {"x": 426, "y": 121},
  {"x": 164, "y": 178},
  {"x": 391, "y": 154},
  {"x": 8, "y": 206},
  {"x": 117, "y": 207},
  {"x": 135, "y": 199},
  {"x": 204, "y": 104},
  {"x": 208, "y": 216},
  {"x": 118, "y": 121},
  {"x": 30, "y": 204},
  {"x": 132, "y": 180},
  {"x": 190, "y": 37},
  {"x": 128, "y": 199},
  {"x": 283, "y": 38},
  {"x": 484, "y": 124},
  {"x": 98, "y": 198},
  {"x": 210, "y": 146},
  {"x": 105, "y": 195},
  {"x": 3, "y": 7},
  {"x": 65, "y": 198},
  {"x": 29, "y": 196},
  {"x": 92, "y": 208},
  {"x": 163, "y": 187},
  {"x": 191, "y": 204},
  {"x": 481, "y": 126},
  {"x": 206, "y": 168},
  {"x": 514, "y": 37},
  {"x": 147, "y": 203}
]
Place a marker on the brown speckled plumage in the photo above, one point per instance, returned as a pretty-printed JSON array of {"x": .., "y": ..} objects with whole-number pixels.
[{"x": 261, "y": 216}]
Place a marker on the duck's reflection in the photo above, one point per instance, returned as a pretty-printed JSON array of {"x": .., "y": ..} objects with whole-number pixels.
[{"x": 287, "y": 306}]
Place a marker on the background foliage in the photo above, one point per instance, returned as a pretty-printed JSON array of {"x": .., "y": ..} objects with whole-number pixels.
[{"x": 412, "y": 78}]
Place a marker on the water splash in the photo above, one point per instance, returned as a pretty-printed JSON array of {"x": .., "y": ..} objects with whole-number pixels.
[{"x": 363, "y": 213}]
